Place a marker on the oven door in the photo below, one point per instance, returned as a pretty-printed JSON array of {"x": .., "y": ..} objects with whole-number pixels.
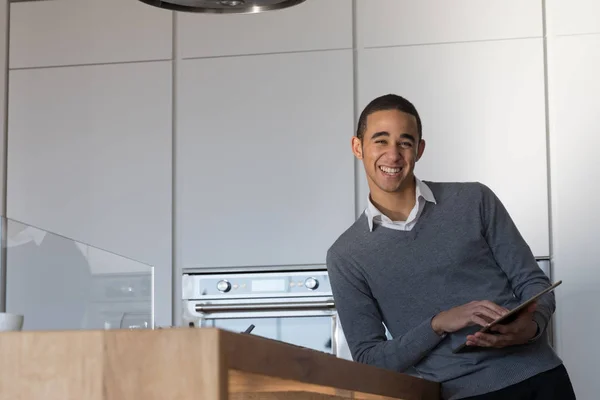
[{"x": 310, "y": 323}]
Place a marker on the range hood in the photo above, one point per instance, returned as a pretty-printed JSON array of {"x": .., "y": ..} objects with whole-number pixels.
[{"x": 223, "y": 6}]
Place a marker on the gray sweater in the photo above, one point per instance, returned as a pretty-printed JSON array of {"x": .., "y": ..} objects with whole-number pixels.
[{"x": 464, "y": 248}]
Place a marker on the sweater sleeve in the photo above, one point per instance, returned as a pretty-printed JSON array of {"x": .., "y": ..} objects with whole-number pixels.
[
  {"x": 362, "y": 322},
  {"x": 514, "y": 256}
]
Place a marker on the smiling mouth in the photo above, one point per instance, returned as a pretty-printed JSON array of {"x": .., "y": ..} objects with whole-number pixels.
[{"x": 390, "y": 171}]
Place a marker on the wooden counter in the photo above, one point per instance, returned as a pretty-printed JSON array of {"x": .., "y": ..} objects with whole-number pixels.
[{"x": 186, "y": 363}]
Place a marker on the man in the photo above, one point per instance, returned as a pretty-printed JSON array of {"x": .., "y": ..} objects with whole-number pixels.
[{"x": 434, "y": 262}]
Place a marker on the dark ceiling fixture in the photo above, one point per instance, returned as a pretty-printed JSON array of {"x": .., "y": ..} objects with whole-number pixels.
[{"x": 223, "y": 6}]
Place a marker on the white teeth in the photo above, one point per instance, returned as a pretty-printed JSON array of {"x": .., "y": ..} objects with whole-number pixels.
[{"x": 390, "y": 170}]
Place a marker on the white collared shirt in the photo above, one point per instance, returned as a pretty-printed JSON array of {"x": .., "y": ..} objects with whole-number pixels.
[{"x": 422, "y": 193}]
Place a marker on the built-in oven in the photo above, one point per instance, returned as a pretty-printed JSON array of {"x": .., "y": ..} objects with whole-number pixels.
[{"x": 293, "y": 307}]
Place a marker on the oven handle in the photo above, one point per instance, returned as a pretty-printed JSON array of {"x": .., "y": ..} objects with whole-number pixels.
[{"x": 304, "y": 305}]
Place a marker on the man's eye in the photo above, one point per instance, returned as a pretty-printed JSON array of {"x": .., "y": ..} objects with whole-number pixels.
[
  {"x": 406, "y": 145},
  {"x": 380, "y": 141}
]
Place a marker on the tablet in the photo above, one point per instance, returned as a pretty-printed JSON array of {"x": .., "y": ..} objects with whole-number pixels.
[{"x": 508, "y": 317}]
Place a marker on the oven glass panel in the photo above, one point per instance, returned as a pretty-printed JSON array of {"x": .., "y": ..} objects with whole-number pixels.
[{"x": 312, "y": 332}]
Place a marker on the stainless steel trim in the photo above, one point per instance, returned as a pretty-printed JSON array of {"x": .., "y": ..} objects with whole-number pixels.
[
  {"x": 153, "y": 300},
  {"x": 25, "y": 1},
  {"x": 298, "y": 313},
  {"x": 334, "y": 333},
  {"x": 270, "y": 306},
  {"x": 250, "y": 269},
  {"x": 250, "y": 9},
  {"x": 246, "y": 298}
]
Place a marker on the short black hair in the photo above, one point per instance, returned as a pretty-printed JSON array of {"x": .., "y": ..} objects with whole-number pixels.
[{"x": 384, "y": 103}]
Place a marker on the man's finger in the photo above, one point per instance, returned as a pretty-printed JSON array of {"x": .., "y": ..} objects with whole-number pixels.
[
  {"x": 532, "y": 307},
  {"x": 486, "y": 312},
  {"x": 495, "y": 308},
  {"x": 477, "y": 319},
  {"x": 485, "y": 340},
  {"x": 472, "y": 340},
  {"x": 497, "y": 341},
  {"x": 514, "y": 327},
  {"x": 503, "y": 329}
]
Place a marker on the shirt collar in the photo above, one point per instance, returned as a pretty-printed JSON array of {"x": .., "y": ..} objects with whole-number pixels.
[{"x": 421, "y": 191}]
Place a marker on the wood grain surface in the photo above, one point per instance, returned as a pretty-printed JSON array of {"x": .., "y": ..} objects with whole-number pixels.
[{"x": 185, "y": 363}]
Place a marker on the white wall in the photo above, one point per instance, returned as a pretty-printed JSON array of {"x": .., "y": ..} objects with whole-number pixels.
[
  {"x": 98, "y": 98},
  {"x": 90, "y": 128},
  {"x": 478, "y": 84},
  {"x": 264, "y": 111},
  {"x": 261, "y": 165},
  {"x": 283, "y": 31},
  {"x": 574, "y": 84},
  {"x": 95, "y": 86},
  {"x": 72, "y": 32},
  {"x": 405, "y": 22},
  {"x": 90, "y": 159}
]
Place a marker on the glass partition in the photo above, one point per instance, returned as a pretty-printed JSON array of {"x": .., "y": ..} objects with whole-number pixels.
[{"x": 61, "y": 284}]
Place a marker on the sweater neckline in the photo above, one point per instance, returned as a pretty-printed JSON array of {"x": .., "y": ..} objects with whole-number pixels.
[{"x": 401, "y": 234}]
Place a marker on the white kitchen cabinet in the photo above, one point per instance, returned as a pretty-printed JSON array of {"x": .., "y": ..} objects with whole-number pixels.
[
  {"x": 575, "y": 172},
  {"x": 90, "y": 159},
  {"x": 407, "y": 22},
  {"x": 264, "y": 165},
  {"x": 73, "y": 32},
  {"x": 312, "y": 25},
  {"x": 573, "y": 17},
  {"x": 482, "y": 106}
]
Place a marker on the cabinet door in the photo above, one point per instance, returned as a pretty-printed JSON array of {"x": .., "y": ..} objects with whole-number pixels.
[
  {"x": 72, "y": 32},
  {"x": 264, "y": 167},
  {"x": 574, "y": 143},
  {"x": 90, "y": 159},
  {"x": 482, "y": 106},
  {"x": 404, "y": 22},
  {"x": 312, "y": 25},
  {"x": 574, "y": 16}
]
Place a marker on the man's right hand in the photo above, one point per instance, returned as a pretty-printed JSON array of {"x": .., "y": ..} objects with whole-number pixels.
[{"x": 473, "y": 313}]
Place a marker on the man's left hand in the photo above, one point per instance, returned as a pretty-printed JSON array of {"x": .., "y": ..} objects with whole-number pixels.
[{"x": 520, "y": 331}]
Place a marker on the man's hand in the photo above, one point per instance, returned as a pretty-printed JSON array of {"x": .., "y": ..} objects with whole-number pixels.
[
  {"x": 517, "y": 332},
  {"x": 473, "y": 313}
]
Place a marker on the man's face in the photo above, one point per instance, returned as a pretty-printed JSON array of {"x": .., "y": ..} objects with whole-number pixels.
[{"x": 389, "y": 150}]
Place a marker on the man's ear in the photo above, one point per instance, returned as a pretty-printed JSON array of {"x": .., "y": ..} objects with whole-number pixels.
[
  {"x": 420, "y": 149},
  {"x": 357, "y": 147}
]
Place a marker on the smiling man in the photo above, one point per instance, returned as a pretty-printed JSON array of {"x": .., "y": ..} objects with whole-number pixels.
[{"x": 433, "y": 262}]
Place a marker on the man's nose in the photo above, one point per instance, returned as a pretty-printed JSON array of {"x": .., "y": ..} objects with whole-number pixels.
[{"x": 395, "y": 153}]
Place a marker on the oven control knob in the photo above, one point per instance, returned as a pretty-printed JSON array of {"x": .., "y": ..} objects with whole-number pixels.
[
  {"x": 311, "y": 283},
  {"x": 223, "y": 286}
]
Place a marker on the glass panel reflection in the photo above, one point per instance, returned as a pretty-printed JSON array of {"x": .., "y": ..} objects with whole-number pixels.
[{"x": 59, "y": 284}]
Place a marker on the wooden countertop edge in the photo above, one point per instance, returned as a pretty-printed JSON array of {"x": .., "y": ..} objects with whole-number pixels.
[
  {"x": 261, "y": 356},
  {"x": 232, "y": 362},
  {"x": 243, "y": 384}
]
